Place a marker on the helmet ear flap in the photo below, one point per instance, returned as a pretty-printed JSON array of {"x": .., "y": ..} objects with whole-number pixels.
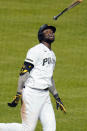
[{"x": 40, "y": 36}]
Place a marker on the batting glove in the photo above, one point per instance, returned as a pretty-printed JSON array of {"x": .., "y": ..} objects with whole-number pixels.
[
  {"x": 15, "y": 101},
  {"x": 59, "y": 104}
]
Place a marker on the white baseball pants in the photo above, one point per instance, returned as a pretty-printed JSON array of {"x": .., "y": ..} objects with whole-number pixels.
[{"x": 36, "y": 105}]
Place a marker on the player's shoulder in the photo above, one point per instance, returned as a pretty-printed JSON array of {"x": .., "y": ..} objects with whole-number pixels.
[
  {"x": 36, "y": 47},
  {"x": 34, "y": 50}
]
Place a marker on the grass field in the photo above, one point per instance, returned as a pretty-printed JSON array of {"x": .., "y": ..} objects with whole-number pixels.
[{"x": 19, "y": 24}]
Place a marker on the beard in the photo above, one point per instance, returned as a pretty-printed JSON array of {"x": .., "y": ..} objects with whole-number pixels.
[{"x": 48, "y": 40}]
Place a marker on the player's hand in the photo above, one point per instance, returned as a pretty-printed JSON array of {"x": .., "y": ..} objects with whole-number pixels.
[
  {"x": 15, "y": 101},
  {"x": 60, "y": 105}
]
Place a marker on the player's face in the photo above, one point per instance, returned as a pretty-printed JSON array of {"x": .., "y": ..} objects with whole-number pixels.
[{"x": 49, "y": 35}]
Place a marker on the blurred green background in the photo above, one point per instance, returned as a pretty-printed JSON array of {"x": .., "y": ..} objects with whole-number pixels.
[{"x": 19, "y": 24}]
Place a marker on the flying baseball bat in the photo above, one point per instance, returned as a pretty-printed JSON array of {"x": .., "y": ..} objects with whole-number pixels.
[{"x": 66, "y": 9}]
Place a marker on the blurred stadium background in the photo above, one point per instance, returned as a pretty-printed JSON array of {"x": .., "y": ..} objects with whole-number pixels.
[{"x": 19, "y": 24}]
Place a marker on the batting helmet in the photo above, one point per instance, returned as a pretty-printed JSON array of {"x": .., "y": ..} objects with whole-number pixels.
[{"x": 42, "y": 28}]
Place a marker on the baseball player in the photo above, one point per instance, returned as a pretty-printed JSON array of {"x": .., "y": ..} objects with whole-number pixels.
[{"x": 35, "y": 83}]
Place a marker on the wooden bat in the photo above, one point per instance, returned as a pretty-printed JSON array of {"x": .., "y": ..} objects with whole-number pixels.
[{"x": 68, "y": 8}]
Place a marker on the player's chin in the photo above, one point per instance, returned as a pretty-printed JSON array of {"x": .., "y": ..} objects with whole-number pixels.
[
  {"x": 49, "y": 40},
  {"x": 52, "y": 39}
]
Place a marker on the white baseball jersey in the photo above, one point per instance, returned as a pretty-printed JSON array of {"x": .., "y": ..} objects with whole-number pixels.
[{"x": 44, "y": 61}]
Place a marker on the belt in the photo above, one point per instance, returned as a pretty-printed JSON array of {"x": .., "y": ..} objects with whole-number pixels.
[{"x": 46, "y": 89}]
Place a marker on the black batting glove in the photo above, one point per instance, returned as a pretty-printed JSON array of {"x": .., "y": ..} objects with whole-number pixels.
[
  {"x": 15, "y": 101},
  {"x": 59, "y": 104}
]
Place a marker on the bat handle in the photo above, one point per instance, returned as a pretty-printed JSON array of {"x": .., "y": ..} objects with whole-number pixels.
[{"x": 56, "y": 17}]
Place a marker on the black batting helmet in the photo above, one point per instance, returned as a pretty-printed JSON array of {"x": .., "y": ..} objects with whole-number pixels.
[{"x": 42, "y": 28}]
